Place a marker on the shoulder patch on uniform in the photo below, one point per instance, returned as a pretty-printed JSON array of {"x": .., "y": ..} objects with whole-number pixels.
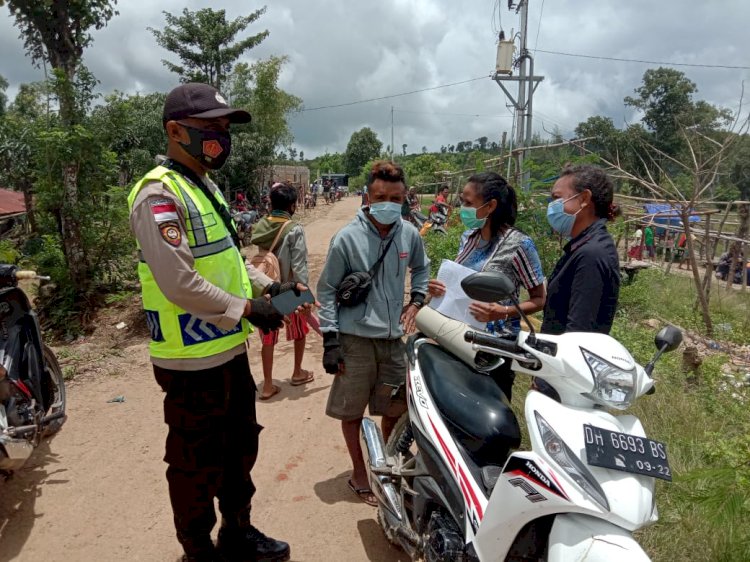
[
  {"x": 164, "y": 210},
  {"x": 171, "y": 233}
]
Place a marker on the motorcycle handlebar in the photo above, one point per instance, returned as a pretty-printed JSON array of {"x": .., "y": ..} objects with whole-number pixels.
[
  {"x": 488, "y": 340},
  {"x": 22, "y": 275}
]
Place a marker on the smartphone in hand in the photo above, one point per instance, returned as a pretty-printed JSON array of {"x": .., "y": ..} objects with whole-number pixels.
[{"x": 287, "y": 302}]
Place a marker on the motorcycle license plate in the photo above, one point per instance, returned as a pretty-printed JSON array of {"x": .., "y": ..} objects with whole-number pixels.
[{"x": 625, "y": 452}]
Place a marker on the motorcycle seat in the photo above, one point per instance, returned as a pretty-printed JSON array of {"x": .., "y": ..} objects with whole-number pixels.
[{"x": 472, "y": 404}]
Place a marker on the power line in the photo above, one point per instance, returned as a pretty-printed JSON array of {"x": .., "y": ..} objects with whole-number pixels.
[
  {"x": 539, "y": 27},
  {"x": 393, "y": 95},
  {"x": 456, "y": 114},
  {"x": 645, "y": 61}
]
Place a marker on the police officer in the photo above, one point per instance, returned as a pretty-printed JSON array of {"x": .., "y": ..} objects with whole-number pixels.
[{"x": 199, "y": 306}]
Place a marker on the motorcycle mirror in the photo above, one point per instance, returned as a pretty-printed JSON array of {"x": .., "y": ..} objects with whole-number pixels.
[
  {"x": 669, "y": 338},
  {"x": 489, "y": 286}
]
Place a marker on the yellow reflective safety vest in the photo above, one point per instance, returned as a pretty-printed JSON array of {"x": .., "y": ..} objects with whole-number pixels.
[{"x": 175, "y": 333}]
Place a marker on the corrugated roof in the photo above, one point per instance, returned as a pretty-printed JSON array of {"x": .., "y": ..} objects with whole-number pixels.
[{"x": 11, "y": 202}]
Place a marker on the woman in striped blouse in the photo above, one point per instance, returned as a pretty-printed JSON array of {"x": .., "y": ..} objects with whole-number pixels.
[{"x": 492, "y": 243}]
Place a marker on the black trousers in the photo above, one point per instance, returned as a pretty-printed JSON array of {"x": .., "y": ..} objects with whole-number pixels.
[{"x": 211, "y": 447}]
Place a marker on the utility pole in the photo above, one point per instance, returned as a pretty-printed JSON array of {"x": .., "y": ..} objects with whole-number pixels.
[
  {"x": 392, "y": 141},
  {"x": 527, "y": 83}
]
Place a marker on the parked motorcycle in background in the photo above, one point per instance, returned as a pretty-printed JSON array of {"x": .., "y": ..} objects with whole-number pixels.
[
  {"x": 32, "y": 390},
  {"x": 436, "y": 221},
  {"x": 450, "y": 487}
]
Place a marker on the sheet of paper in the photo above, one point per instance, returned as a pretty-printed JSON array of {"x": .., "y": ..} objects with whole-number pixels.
[{"x": 455, "y": 303}]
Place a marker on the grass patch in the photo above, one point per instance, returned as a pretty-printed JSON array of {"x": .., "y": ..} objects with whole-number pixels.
[{"x": 673, "y": 297}]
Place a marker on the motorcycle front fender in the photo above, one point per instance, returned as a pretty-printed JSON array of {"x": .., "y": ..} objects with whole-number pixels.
[{"x": 581, "y": 537}]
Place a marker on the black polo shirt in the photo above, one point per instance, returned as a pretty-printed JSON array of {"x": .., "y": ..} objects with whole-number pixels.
[{"x": 583, "y": 289}]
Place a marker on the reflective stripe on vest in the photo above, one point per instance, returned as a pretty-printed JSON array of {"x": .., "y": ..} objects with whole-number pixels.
[
  {"x": 175, "y": 333},
  {"x": 205, "y": 249}
]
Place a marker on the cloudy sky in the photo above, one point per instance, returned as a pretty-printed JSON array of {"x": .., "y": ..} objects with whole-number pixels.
[{"x": 342, "y": 51}]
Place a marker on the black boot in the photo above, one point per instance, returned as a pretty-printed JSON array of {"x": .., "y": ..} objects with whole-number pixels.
[{"x": 247, "y": 544}]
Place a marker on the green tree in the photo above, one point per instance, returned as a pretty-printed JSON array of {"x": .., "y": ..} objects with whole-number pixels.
[
  {"x": 17, "y": 150},
  {"x": 363, "y": 146},
  {"x": 3, "y": 97},
  {"x": 131, "y": 127},
  {"x": 204, "y": 43},
  {"x": 403, "y": 149},
  {"x": 29, "y": 102},
  {"x": 254, "y": 146},
  {"x": 665, "y": 96},
  {"x": 328, "y": 163},
  {"x": 58, "y": 32}
]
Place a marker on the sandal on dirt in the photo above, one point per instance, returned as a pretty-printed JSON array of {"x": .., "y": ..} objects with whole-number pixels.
[
  {"x": 365, "y": 494},
  {"x": 276, "y": 390},
  {"x": 309, "y": 377}
]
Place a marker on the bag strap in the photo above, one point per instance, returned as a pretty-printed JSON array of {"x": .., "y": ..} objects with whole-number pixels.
[
  {"x": 374, "y": 268},
  {"x": 220, "y": 210},
  {"x": 278, "y": 235}
]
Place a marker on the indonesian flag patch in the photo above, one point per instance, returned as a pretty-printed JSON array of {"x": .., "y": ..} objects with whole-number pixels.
[{"x": 163, "y": 210}]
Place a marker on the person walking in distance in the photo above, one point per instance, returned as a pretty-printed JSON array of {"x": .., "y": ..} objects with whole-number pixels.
[
  {"x": 362, "y": 329},
  {"x": 199, "y": 303},
  {"x": 278, "y": 234}
]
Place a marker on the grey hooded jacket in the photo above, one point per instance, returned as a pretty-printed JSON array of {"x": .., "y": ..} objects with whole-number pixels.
[{"x": 355, "y": 248}]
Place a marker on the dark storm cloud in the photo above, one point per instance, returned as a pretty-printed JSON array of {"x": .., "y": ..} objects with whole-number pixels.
[{"x": 343, "y": 51}]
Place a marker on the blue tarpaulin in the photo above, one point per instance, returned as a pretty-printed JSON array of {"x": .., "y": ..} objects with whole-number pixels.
[{"x": 667, "y": 215}]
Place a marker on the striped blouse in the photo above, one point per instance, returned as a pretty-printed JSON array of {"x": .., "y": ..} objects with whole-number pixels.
[{"x": 512, "y": 253}]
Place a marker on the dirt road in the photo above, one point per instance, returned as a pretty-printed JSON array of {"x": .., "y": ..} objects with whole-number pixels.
[{"x": 97, "y": 491}]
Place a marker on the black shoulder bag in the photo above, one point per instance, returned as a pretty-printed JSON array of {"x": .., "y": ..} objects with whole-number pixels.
[{"x": 355, "y": 287}]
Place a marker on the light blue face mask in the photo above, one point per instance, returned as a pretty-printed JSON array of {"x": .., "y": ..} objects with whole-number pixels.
[
  {"x": 385, "y": 213},
  {"x": 560, "y": 221}
]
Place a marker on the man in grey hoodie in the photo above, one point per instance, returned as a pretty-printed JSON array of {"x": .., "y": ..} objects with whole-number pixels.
[{"x": 362, "y": 343}]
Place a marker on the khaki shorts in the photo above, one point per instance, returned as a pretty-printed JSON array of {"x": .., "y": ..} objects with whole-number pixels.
[{"x": 375, "y": 375}]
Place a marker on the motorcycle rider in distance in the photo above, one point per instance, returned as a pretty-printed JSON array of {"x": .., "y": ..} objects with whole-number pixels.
[{"x": 492, "y": 243}]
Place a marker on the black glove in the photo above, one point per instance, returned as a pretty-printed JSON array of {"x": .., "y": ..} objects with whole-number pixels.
[
  {"x": 417, "y": 299},
  {"x": 277, "y": 288},
  {"x": 264, "y": 315},
  {"x": 333, "y": 359}
]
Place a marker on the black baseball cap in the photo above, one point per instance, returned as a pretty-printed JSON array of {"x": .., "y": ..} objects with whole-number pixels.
[{"x": 202, "y": 102}]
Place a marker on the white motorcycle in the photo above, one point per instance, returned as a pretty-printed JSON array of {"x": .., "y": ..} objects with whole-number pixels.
[{"x": 447, "y": 483}]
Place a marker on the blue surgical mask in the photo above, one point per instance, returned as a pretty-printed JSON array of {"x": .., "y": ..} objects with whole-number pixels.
[
  {"x": 560, "y": 221},
  {"x": 385, "y": 213}
]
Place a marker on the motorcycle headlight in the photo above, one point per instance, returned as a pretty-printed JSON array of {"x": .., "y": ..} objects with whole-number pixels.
[
  {"x": 613, "y": 386},
  {"x": 569, "y": 462}
]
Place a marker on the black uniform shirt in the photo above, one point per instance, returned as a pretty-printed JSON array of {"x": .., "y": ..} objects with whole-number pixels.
[{"x": 583, "y": 289}]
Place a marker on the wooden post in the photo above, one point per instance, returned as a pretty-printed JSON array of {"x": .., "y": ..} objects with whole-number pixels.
[
  {"x": 626, "y": 257},
  {"x": 706, "y": 285}
]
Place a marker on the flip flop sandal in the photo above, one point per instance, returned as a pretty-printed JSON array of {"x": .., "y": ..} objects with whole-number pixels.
[
  {"x": 276, "y": 390},
  {"x": 364, "y": 494},
  {"x": 298, "y": 382}
]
